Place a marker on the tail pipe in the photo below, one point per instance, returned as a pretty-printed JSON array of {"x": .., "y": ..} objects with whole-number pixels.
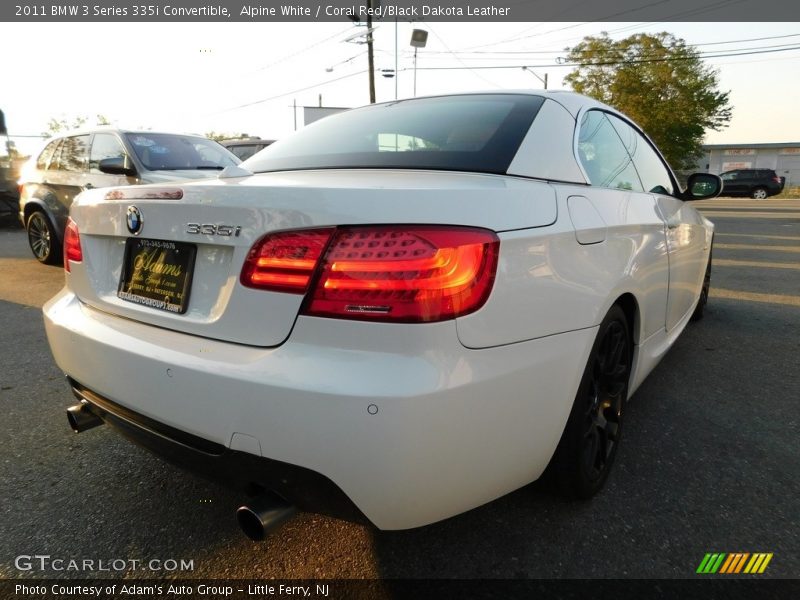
[
  {"x": 263, "y": 515},
  {"x": 81, "y": 418}
]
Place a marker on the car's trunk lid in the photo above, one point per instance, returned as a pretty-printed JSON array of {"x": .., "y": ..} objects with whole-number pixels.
[{"x": 219, "y": 307}]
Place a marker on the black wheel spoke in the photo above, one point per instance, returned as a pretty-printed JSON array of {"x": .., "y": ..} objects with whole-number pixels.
[{"x": 605, "y": 397}]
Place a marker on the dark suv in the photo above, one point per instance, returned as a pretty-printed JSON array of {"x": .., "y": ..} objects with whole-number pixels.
[
  {"x": 756, "y": 183},
  {"x": 77, "y": 161}
]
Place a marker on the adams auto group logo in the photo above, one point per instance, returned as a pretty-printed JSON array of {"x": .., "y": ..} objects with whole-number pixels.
[{"x": 734, "y": 563}]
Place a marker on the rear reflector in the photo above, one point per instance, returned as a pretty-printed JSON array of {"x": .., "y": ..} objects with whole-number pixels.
[
  {"x": 285, "y": 261},
  {"x": 72, "y": 244},
  {"x": 405, "y": 274}
]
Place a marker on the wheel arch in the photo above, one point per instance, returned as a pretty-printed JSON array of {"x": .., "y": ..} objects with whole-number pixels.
[
  {"x": 630, "y": 307},
  {"x": 35, "y": 204},
  {"x": 627, "y": 302}
]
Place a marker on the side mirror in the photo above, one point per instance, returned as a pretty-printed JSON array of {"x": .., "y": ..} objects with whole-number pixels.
[
  {"x": 701, "y": 186},
  {"x": 119, "y": 165}
]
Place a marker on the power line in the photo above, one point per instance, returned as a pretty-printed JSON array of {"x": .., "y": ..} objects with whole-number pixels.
[
  {"x": 298, "y": 52},
  {"x": 458, "y": 59},
  {"x": 654, "y": 54},
  {"x": 297, "y": 91},
  {"x": 561, "y": 51},
  {"x": 643, "y": 57},
  {"x": 614, "y": 62},
  {"x": 721, "y": 54},
  {"x": 676, "y": 16},
  {"x": 572, "y": 26}
]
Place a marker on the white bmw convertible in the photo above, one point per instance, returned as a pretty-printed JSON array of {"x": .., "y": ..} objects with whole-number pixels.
[{"x": 394, "y": 315}]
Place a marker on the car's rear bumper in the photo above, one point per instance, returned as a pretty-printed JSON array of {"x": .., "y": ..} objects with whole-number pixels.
[
  {"x": 405, "y": 421},
  {"x": 251, "y": 474}
]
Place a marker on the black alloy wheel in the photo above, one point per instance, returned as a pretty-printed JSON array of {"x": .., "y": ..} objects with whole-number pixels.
[
  {"x": 42, "y": 239},
  {"x": 591, "y": 438}
]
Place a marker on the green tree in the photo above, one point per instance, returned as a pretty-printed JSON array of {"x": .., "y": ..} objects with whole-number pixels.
[
  {"x": 219, "y": 136},
  {"x": 659, "y": 82},
  {"x": 55, "y": 126}
]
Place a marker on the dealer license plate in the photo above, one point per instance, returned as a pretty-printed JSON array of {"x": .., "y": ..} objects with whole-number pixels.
[{"x": 157, "y": 273}]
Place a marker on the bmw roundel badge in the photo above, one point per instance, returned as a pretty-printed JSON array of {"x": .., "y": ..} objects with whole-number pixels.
[{"x": 134, "y": 220}]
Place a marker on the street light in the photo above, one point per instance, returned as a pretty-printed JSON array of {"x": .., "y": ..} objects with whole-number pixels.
[
  {"x": 544, "y": 81},
  {"x": 419, "y": 37}
]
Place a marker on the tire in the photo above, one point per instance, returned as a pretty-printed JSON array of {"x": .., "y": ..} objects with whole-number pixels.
[
  {"x": 42, "y": 238},
  {"x": 588, "y": 446},
  {"x": 701, "y": 303},
  {"x": 759, "y": 193}
]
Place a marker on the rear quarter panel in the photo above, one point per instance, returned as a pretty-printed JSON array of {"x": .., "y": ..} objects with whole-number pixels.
[{"x": 549, "y": 283}]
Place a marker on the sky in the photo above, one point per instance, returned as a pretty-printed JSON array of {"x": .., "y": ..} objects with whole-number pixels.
[{"x": 246, "y": 77}]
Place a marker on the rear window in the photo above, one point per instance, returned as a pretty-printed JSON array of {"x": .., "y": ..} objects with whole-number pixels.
[{"x": 456, "y": 133}]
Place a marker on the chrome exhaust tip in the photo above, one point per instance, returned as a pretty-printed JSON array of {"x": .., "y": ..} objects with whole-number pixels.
[
  {"x": 263, "y": 515},
  {"x": 81, "y": 418}
]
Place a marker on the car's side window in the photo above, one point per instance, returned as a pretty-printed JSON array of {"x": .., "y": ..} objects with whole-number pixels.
[
  {"x": 728, "y": 176},
  {"x": 55, "y": 162},
  {"x": 104, "y": 145},
  {"x": 73, "y": 153},
  {"x": 652, "y": 172},
  {"x": 46, "y": 155},
  {"x": 603, "y": 154}
]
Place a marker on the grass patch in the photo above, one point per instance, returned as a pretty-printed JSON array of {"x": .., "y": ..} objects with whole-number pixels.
[{"x": 789, "y": 192}]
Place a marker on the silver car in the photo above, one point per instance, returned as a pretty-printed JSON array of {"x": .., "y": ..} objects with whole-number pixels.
[{"x": 82, "y": 160}]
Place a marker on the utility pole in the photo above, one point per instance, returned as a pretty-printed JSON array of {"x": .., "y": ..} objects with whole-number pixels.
[
  {"x": 396, "y": 71},
  {"x": 370, "y": 54}
]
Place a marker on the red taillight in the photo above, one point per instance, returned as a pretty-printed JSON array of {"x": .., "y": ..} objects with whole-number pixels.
[
  {"x": 72, "y": 244},
  {"x": 409, "y": 274},
  {"x": 405, "y": 274},
  {"x": 285, "y": 261},
  {"x": 776, "y": 179}
]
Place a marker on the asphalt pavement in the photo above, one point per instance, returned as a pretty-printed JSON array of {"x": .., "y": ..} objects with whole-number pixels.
[{"x": 710, "y": 459}]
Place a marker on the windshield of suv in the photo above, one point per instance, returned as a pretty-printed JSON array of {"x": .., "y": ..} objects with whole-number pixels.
[
  {"x": 478, "y": 132},
  {"x": 169, "y": 152}
]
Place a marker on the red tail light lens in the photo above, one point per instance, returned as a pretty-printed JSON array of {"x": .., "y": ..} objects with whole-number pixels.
[
  {"x": 72, "y": 244},
  {"x": 405, "y": 274},
  {"x": 285, "y": 261}
]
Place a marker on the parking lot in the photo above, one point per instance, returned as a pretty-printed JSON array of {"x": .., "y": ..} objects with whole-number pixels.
[{"x": 709, "y": 461}]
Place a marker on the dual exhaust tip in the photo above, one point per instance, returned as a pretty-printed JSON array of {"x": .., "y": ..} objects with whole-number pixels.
[{"x": 257, "y": 519}]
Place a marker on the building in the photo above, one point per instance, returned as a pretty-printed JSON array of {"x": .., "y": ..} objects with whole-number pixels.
[{"x": 783, "y": 158}]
